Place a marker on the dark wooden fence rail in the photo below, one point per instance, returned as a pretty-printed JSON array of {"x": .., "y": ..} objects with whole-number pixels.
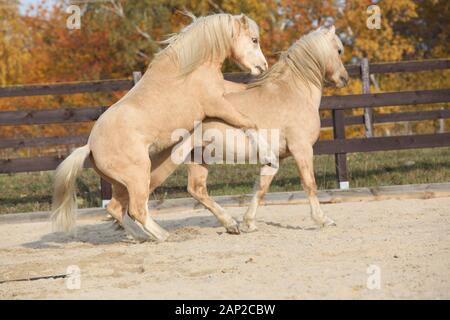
[
  {"x": 126, "y": 84},
  {"x": 339, "y": 146}
]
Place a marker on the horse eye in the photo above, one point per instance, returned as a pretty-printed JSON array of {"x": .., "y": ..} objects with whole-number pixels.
[
  {"x": 339, "y": 51},
  {"x": 255, "y": 40}
]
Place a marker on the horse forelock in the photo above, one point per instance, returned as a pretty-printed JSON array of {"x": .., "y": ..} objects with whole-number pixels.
[{"x": 205, "y": 39}]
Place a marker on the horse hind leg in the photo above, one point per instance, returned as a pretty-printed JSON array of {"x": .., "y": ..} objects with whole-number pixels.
[
  {"x": 133, "y": 172},
  {"x": 248, "y": 223},
  {"x": 197, "y": 176},
  {"x": 138, "y": 191},
  {"x": 117, "y": 206},
  {"x": 162, "y": 167}
]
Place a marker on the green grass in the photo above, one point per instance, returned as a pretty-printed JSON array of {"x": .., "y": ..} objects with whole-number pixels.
[{"x": 24, "y": 192}]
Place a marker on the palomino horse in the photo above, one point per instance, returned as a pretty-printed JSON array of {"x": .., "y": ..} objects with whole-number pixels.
[
  {"x": 183, "y": 84},
  {"x": 287, "y": 99}
]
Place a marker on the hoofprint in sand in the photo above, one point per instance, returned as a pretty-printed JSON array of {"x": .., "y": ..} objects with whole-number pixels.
[{"x": 408, "y": 242}]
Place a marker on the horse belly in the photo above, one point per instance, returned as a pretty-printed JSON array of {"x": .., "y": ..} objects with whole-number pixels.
[{"x": 235, "y": 144}]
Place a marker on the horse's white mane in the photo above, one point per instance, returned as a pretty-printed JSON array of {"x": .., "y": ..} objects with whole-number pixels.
[
  {"x": 206, "y": 38},
  {"x": 306, "y": 59}
]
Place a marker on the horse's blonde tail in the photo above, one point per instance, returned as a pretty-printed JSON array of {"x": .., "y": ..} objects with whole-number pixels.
[{"x": 64, "y": 202}]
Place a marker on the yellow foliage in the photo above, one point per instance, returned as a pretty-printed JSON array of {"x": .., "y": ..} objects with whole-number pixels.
[{"x": 14, "y": 44}]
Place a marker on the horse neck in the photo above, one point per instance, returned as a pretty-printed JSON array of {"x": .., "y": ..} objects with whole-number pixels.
[
  {"x": 215, "y": 65},
  {"x": 303, "y": 95},
  {"x": 165, "y": 67},
  {"x": 162, "y": 65}
]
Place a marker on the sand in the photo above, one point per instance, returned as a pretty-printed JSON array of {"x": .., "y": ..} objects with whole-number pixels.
[{"x": 407, "y": 243}]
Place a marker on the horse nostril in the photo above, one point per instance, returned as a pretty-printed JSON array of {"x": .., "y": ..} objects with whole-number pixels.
[
  {"x": 261, "y": 70},
  {"x": 344, "y": 79}
]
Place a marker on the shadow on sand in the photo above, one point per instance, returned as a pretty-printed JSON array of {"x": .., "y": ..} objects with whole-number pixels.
[{"x": 106, "y": 232}]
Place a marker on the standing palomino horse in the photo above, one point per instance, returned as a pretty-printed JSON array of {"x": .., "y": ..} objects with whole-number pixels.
[
  {"x": 182, "y": 85},
  {"x": 287, "y": 99}
]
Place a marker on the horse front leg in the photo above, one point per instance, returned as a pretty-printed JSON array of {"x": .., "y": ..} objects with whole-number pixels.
[
  {"x": 262, "y": 185},
  {"x": 303, "y": 155},
  {"x": 197, "y": 177},
  {"x": 222, "y": 109}
]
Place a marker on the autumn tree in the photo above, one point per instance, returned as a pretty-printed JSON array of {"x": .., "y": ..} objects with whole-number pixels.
[
  {"x": 117, "y": 37},
  {"x": 14, "y": 44}
]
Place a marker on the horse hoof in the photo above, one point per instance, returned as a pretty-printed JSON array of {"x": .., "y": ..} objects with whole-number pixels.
[
  {"x": 233, "y": 229},
  {"x": 248, "y": 227},
  {"x": 323, "y": 222},
  {"x": 162, "y": 236},
  {"x": 135, "y": 230},
  {"x": 116, "y": 226},
  {"x": 328, "y": 223}
]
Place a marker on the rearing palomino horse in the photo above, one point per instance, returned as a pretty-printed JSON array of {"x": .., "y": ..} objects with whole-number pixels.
[
  {"x": 287, "y": 99},
  {"x": 182, "y": 85}
]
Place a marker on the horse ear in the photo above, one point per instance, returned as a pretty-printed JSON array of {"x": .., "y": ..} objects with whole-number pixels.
[
  {"x": 329, "y": 30},
  {"x": 332, "y": 30},
  {"x": 244, "y": 21}
]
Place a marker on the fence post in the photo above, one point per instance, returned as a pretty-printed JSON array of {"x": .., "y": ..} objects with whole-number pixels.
[
  {"x": 340, "y": 159},
  {"x": 441, "y": 122},
  {"x": 368, "y": 112},
  {"x": 137, "y": 75},
  {"x": 106, "y": 192},
  {"x": 105, "y": 186}
]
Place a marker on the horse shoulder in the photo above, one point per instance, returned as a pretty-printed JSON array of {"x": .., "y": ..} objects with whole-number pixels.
[{"x": 209, "y": 80}]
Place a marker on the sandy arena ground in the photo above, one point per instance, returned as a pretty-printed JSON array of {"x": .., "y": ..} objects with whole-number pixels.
[{"x": 409, "y": 240}]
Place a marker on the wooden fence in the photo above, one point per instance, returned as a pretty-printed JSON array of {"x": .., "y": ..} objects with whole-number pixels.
[{"x": 339, "y": 146}]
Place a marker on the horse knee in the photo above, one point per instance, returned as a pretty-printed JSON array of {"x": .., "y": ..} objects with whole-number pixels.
[
  {"x": 310, "y": 188},
  {"x": 196, "y": 191},
  {"x": 197, "y": 187}
]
